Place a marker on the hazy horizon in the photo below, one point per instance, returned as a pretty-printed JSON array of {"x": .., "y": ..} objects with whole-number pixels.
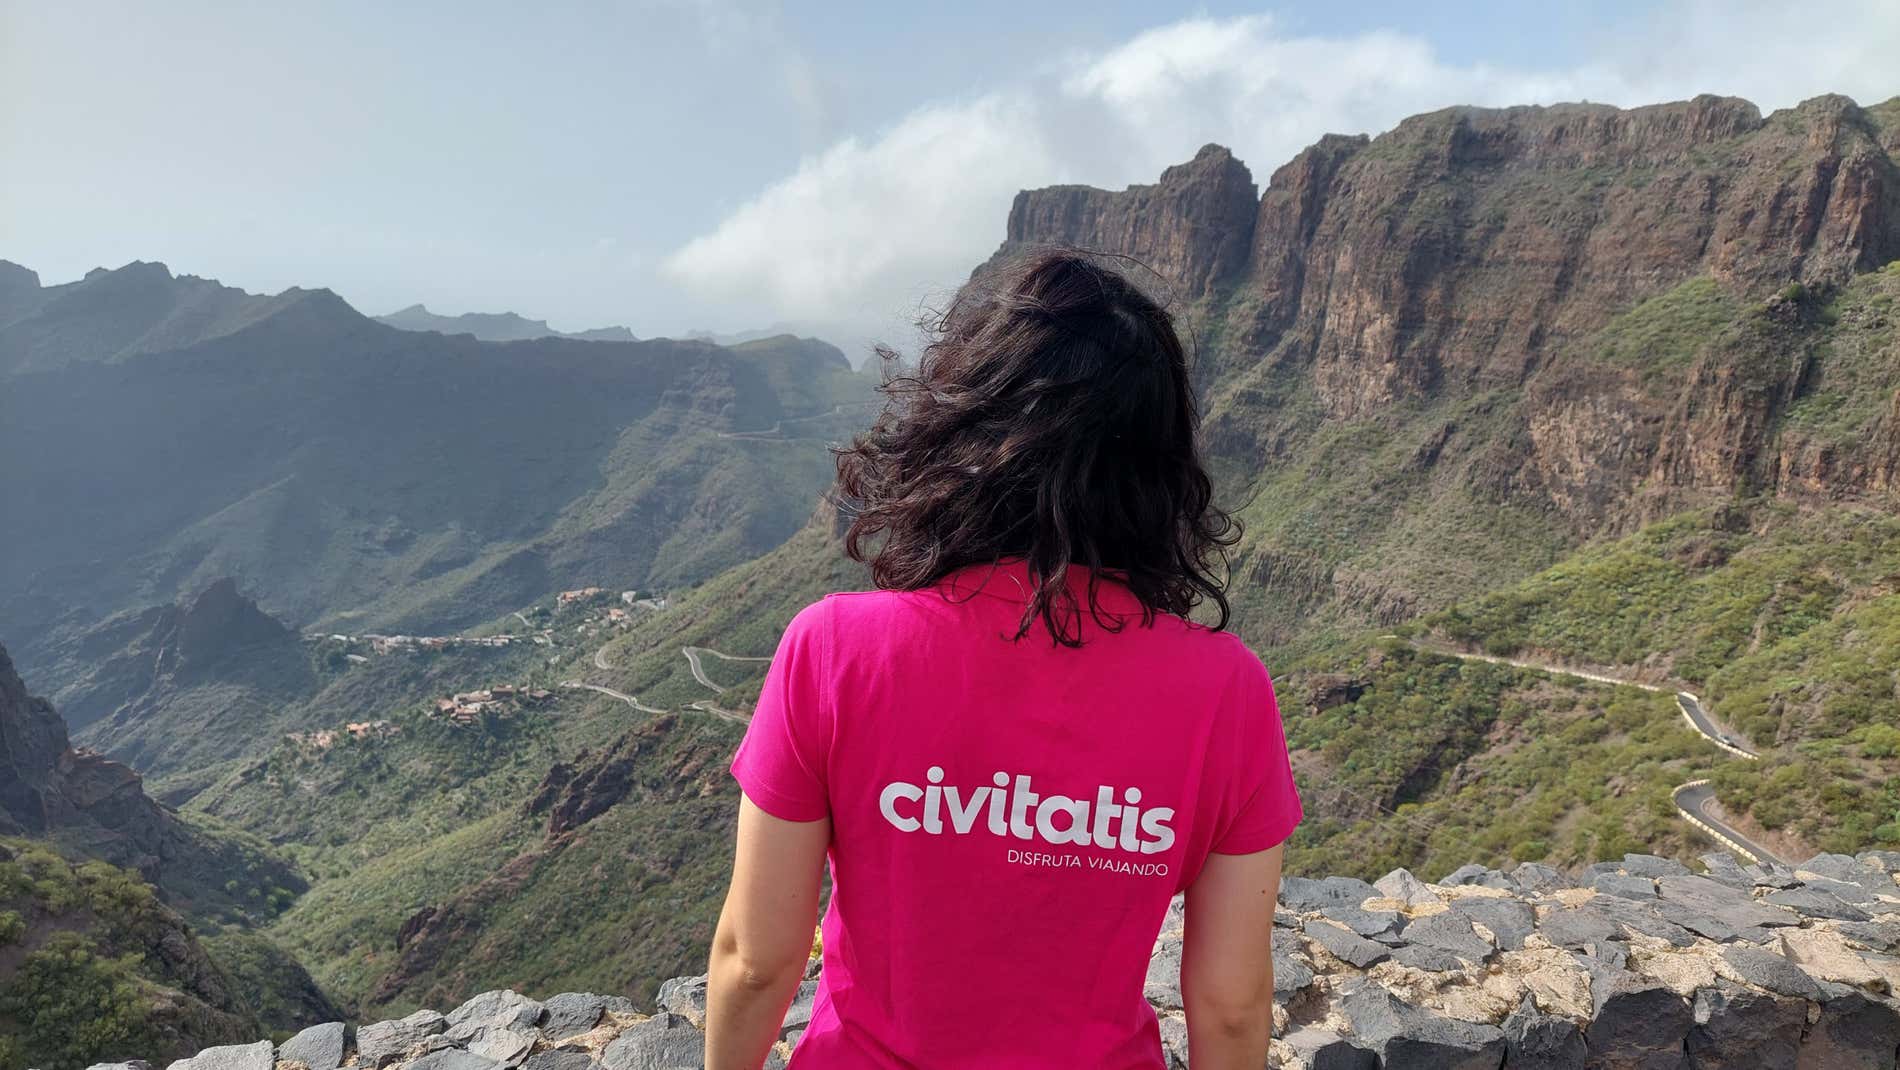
[{"x": 678, "y": 166}]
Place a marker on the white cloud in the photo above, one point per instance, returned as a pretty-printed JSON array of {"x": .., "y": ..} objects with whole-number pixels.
[{"x": 861, "y": 231}]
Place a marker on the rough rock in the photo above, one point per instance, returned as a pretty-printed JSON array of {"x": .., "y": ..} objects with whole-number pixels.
[
  {"x": 319, "y": 1047},
  {"x": 1738, "y": 1028},
  {"x": 1638, "y": 1024},
  {"x": 1307, "y": 895},
  {"x": 662, "y": 1042},
  {"x": 1404, "y": 1035},
  {"x": 1508, "y": 920},
  {"x": 1534, "y": 1040},
  {"x": 382, "y": 1043},
  {"x": 1346, "y": 945},
  {"x": 574, "y": 1012},
  {"x": 1814, "y": 903},
  {"x": 1626, "y": 886},
  {"x": 258, "y": 1056},
  {"x": 506, "y": 1009},
  {"x": 684, "y": 996},
  {"x": 1765, "y": 969},
  {"x": 1402, "y": 886}
]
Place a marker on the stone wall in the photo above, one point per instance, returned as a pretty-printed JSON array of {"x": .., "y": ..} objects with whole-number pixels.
[{"x": 1634, "y": 964}]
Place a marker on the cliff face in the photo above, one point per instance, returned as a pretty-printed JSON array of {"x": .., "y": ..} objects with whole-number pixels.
[
  {"x": 1467, "y": 249},
  {"x": 1578, "y": 317},
  {"x": 47, "y": 788}
]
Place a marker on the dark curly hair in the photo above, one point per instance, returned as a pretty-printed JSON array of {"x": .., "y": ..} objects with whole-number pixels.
[{"x": 1051, "y": 418}]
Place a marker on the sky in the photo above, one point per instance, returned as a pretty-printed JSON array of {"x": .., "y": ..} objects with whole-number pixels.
[{"x": 682, "y": 165}]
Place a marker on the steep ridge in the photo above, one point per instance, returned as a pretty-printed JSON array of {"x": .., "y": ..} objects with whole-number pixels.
[
  {"x": 97, "y": 807},
  {"x": 139, "y": 659},
  {"x": 123, "y": 312},
  {"x": 1459, "y": 348},
  {"x": 341, "y": 469},
  {"x": 496, "y": 326}
]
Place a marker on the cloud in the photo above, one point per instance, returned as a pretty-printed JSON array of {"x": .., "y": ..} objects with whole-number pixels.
[{"x": 864, "y": 229}]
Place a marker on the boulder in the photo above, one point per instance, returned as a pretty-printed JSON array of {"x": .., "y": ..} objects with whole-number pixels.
[
  {"x": 1887, "y": 861},
  {"x": 662, "y": 1042},
  {"x": 506, "y": 1046},
  {"x": 1730, "y": 905},
  {"x": 1872, "y": 880},
  {"x": 454, "y": 1059},
  {"x": 798, "y": 1015},
  {"x": 1643, "y": 917},
  {"x": 1346, "y": 945},
  {"x": 1872, "y": 935},
  {"x": 1638, "y": 1024},
  {"x": 383, "y": 1043},
  {"x": 1574, "y": 927},
  {"x": 258, "y": 1056},
  {"x": 686, "y": 997},
  {"x": 1429, "y": 959},
  {"x": 1722, "y": 868},
  {"x": 1310, "y": 896},
  {"x": 1401, "y": 885},
  {"x": 1815, "y": 903},
  {"x": 560, "y": 1060},
  {"x": 1640, "y": 865},
  {"x": 1449, "y": 932},
  {"x": 1174, "y": 1044},
  {"x": 1534, "y": 1040},
  {"x": 1626, "y": 886},
  {"x": 1368, "y": 923},
  {"x": 1765, "y": 969},
  {"x": 319, "y": 1047},
  {"x": 571, "y": 1013},
  {"x": 1536, "y": 878},
  {"x": 505, "y": 1009},
  {"x": 1312, "y": 1047},
  {"x": 1852, "y": 1032},
  {"x": 1163, "y": 984},
  {"x": 1405, "y": 1035},
  {"x": 1771, "y": 875},
  {"x": 1736, "y": 1029},
  {"x": 1509, "y": 920}
]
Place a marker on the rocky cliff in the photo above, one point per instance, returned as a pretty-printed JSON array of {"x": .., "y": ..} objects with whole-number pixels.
[
  {"x": 1471, "y": 250},
  {"x": 97, "y": 807},
  {"x": 1632, "y": 964},
  {"x": 47, "y": 787}
]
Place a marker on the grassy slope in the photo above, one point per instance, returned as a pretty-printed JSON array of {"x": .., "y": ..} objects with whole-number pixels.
[
  {"x": 1785, "y": 620},
  {"x": 93, "y": 967}
]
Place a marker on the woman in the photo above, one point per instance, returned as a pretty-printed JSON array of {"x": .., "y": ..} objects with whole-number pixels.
[{"x": 1018, "y": 749}]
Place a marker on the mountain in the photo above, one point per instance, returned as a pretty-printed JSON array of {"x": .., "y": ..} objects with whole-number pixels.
[
  {"x": 496, "y": 326},
  {"x": 1472, "y": 353},
  {"x": 346, "y": 473},
  {"x": 134, "y": 927}
]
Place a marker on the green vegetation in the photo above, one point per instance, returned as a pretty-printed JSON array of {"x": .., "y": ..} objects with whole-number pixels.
[
  {"x": 1784, "y": 619},
  {"x": 1441, "y": 762},
  {"x": 1664, "y": 333},
  {"x": 107, "y": 970}
]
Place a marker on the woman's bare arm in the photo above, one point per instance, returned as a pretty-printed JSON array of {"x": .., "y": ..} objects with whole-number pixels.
[
  {"x": 1227, "y": 960},
  {"x": 764, "y": 937}
]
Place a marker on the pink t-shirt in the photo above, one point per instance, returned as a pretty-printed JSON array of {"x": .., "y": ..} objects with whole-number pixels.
[{"x": 1009, "y": 819}]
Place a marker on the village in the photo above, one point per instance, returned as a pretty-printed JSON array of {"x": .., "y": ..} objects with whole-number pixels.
[
  {"x": 466, "y": 707},
  {"x": 325, "y": 738},
  {"x": 595, "y": 618}
]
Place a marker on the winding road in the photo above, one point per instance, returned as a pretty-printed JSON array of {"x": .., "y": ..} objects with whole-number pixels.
[
  {"x": 621, "y": 695},
  {"x": 1694, "y": 800},
  {"x": 693, "y": 655},
  {"x": 699, "y": 671}
]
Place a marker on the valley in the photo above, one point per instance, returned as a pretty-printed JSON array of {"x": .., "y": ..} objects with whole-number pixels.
[{"x": 1553, "y": 543}]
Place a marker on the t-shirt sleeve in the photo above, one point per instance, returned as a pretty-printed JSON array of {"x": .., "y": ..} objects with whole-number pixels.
[
  {"x": 1263, "y": 803},
  {"x": 781, "y": 763}
]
